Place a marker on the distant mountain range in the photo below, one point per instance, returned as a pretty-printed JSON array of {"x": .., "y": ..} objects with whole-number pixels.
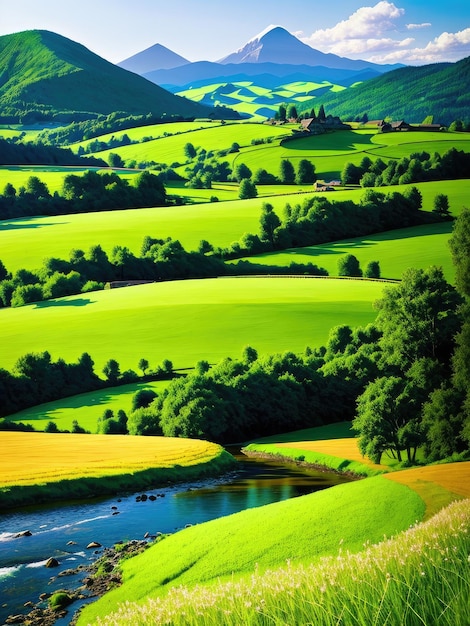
[
  {"x": 273, "y": 52},
  {"x": 44, "y": 76},
  {"x": 409, "y": 93}
]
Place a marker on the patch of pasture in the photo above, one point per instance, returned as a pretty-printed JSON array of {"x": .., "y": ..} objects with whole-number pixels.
[
  {"x": 186, "y": 321},
  {"x": 85, "y": 408},
  {"x": 154, "y": 131},
  {"x": 397, "y": 250},
  {"x": 170, "y": 150},
  {"x": 419, "y": 576},
  {"x": 300, "y": 530},
  {"x": 26, "y": 242},
  {"x": 40, "y": 458},
  {"x": 52, "y": 175}
]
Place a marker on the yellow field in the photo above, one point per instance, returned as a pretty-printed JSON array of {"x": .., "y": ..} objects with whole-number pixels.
[
  {"x": 38, "y": 458},
  {"x": 437, "y": 485},
  {"x": 341, "y": 448}
]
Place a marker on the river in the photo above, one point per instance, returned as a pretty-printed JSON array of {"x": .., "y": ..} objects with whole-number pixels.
[{"x": 64, "y": 530}]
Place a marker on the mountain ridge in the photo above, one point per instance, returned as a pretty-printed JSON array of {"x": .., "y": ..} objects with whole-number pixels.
[
  {"x": 277, "y": 45},
  {"x": 408, "y": 93},
  {"x": 156, "y": 57},
  {"x": 48, "y": 76}
]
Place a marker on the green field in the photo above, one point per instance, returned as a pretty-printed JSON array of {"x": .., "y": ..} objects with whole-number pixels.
[
  {"x": 186, "y": 321},
  {"x": 154, "y": 131},
  {"x": 170, "y": 150},
  {"x": 396, "y": 250},
  {"x": 84, "y": 408},
  {"x": 26, "y": 242},
  {"x": 329, "y": 152},
  {"x": 251, "y": 99},
  {"x": 300, "y": 530}
]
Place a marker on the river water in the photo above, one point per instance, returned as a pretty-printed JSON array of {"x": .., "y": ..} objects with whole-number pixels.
[{"x": 23, "y": 575}]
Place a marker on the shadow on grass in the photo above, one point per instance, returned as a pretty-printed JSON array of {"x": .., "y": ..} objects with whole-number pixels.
[
  {"x": 26, "y": 223},
  {"x": 45, "y": 304}
]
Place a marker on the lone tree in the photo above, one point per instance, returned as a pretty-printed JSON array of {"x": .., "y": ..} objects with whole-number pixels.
[
  {"x": 348, "y": 265},
  {"x": 441, "y": 206},
  {"x": 247, "y": 189},
  {"x": 189, "y": 151},
  {"x": 372, "y": 270}
]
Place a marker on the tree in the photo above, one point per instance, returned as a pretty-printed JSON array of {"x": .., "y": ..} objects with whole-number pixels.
[
  {"x": 189, "y": 151},
  {"x": 247, "y": 189},
  {"x": 385, "y": 420},
  {"x": 143, "y": 366},
  {"x": 460, "y": 249},
  {"x": 114, "y": 160},
  {"x": 241, "y": 172},
  {"x": 372, "y": 270},
  {"x": 292, "y": 112},
  {"x": 282, "y": 112},
  {"x": 348, "y": 265},
  {"x": 269, "y": 222},
  {"x": 37, "y": 188},
  {"x": 305, "y": 172},
  {"x": 112, "y": 371},
  {"x": 286, "y": 172},
  {"x": 441, "y": 206},
  {"x": 321, "y": 113},
  {"x": 418, "y": 318}
]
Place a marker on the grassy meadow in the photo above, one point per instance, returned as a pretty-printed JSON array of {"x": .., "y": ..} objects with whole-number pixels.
[
  {"x": 85, "y": 408},
  {"x": 418, "y": 577},
  {"x": 186, "y": 321},
  {"x": 26, "y": 242},
  {"x": 338, "y": 523},
  {"x": 396, "y": 250}
]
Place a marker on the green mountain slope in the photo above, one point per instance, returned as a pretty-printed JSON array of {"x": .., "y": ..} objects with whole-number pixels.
[
  {"x": 46, "y": 76},
  {"x": 409, "y": 93}
]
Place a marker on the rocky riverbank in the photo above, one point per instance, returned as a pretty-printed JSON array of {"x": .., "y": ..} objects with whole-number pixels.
[{"x": 97, "y": 578}]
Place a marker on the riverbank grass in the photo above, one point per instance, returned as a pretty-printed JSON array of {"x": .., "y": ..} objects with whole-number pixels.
[
  {"x": 420, "y": 577},
  {"x": 36, "y": 467},
  {"x": 301, "y": 530}
]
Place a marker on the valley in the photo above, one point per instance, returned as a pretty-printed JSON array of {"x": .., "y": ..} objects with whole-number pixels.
[{"x": 251, "y": 259}]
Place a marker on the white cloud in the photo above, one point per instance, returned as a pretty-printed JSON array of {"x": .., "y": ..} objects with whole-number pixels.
[
  {"x": 418, "y": 26},
  {"x": 366, "y": 22},
  {"x": 445, "y": 47},
  {"x": 376, "y": 34}
]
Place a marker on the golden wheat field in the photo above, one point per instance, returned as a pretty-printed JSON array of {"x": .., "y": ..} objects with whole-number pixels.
[{"x": 36, "y": 458}]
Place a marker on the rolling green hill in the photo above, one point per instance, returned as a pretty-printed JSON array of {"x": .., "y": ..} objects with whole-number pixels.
[
  {"x": 186, "y": 321},
  {"x": 46, "y": 76},
  {"x": 410, "y": 93}
]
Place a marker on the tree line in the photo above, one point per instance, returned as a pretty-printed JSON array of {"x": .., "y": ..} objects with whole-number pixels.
[
  {"x": 85, "y": 193},
  {"x": 418, "y": 167},
  {"x": 13, "y": 152},
  {"x": 159, "y": 260},
  {"x": 314, "y": 221}
]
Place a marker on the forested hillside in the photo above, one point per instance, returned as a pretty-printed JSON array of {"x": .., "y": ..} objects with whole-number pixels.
[
  {"x": 45, "y": 76},
  {"x": 410, "y": 93}
]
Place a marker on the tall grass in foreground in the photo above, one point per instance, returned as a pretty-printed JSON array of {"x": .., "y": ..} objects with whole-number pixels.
[{"x": 421, "y": 577}]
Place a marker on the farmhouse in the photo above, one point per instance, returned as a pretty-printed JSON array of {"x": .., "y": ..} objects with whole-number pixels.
[{"x": 317, "y": 126}]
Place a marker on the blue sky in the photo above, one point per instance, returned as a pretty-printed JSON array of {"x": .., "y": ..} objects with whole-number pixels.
[{"x": 413, "y": 32}]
